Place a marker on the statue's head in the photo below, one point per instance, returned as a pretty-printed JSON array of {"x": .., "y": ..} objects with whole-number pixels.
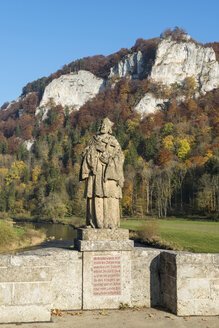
[{"x": 106, "y": 126}]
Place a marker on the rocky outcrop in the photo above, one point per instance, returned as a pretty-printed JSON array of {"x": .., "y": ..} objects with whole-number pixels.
[
  {"x": 71, "y": 90},
  {"x": 177, "y": 60},
  {"x": 174, "y": 61},
  {"x": 131, "y": 65},
  {"x": 149, "y": 104}
]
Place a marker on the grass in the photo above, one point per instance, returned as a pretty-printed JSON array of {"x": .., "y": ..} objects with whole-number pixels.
[
  {"x": 14, "y": 237},
  {"x": 195, "y": 236},
  {"x": 187, "y": 234}
]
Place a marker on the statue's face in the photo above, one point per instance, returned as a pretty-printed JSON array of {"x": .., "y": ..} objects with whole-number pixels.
[{"x": 104, "y": 128}]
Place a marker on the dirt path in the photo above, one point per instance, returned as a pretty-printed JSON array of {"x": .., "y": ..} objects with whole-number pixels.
[{"x": 147, "y": 318}]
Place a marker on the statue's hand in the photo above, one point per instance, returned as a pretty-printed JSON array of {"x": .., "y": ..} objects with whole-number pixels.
[
  {"x": 104, "y": 158},
  {"x": 120, "y": 183}
]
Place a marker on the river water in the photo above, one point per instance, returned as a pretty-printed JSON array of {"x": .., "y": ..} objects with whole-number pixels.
[{"x": 58, "y": 235}]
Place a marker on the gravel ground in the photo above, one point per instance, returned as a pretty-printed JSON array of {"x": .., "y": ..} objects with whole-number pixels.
[{"x": 128, "y": 318}]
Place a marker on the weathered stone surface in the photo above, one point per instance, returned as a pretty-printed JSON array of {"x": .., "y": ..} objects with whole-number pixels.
[
  {"x": 106, "y": 285},
  {"x": 214, "y": 288},
  {"x": 5, "y": 294},
  {"x": 198, "y": 307},
  {"x": 196, "y": 271},
  {"x": 188, "y": 289},
  {"x": 149, "y": 104},
  {"x": 32, "y": 293},
  {"x": 103, "y": 234},
  {"x": 145, "y": 277},
  {"x": 28, "y": 313},
  {"x": 193, "y": 258},
  {"x": 177, "y": 60},
  {"x": 26, "y": 260},
  {"x": 71, "y": 90},
  {"x": 102, "y": 170},
  {"x": 4, "y": 260},
  {"x": 196, "y": 279},
  {"x": 66, "y": 284},
  {"x": 185, "y": 283},
  {"x": 131, "y": 64},
  {"x": 25, "y": 274},
  {"x": 104, "y": 245}
]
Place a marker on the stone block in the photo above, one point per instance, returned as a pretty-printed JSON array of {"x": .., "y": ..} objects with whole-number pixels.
[
  {"x": 28, "y": 313},
  {"x": 32, "y": 293},
  {"x": 66, "y": 286},
  {"x": 25, "y": 274},
  {"x": 140, "y": 277},
  {"x": 6, "y": 294},
  {"x": 197, "y": 307},
  {"x": 103, "y": 234},
  {"x": 194, "y": 258},
  {"x": 27, "y": 260},
  {"x": 216, "y": 259},
  {"x": 214, "y": 289},
  {"x": 63, "y": 255},
  {"x": 145, "y": 277},
  {"x": 106, "y": 279},
  {"x": 4, "y": 260},
  {"x": 197, "y": 271},
  {"x": 188, "y": 289},
  {"x": 105, "y": 245}
]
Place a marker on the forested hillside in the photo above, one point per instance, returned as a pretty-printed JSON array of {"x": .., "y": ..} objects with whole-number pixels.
[{"x": 171, "y": 155}]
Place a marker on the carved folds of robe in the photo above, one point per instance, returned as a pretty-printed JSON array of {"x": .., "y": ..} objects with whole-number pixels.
[{"x": 102, "y": 168}]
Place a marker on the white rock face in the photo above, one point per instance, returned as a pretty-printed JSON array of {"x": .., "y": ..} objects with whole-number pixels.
[
  {"x": 149, "y": 104},
  {"x": 130, "y": 65},
  {"x": 29, "y": 143},
  {"x": 72, "y": 90},
  {"x": 177, "y": 60}
]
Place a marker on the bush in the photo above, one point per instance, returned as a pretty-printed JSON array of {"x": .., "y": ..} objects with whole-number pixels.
[
  {"x": 7, "y": 235},
  {"x": 148, "y": 231}
]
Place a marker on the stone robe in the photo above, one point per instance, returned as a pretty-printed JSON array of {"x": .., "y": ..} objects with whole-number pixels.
[{"x": 102, "y": 168}]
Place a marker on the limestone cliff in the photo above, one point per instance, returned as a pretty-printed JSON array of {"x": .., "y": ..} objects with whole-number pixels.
[
  {"x": 130, "y": 65},
  {"x": 174, "y": 62},
  {"x": 177, "y": 60},
  {"x": 149, "y": 104},
  {"x": 72, "y": 90}
]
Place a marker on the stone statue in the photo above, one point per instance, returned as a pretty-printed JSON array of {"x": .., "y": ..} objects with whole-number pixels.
[{"x": 102, "y": 170}]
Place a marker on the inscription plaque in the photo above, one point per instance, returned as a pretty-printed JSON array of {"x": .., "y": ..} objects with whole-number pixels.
[{"x": 106, "y": 275}]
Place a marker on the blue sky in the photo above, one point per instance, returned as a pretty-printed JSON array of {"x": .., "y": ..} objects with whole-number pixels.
[{"x": 37, "y": 37}]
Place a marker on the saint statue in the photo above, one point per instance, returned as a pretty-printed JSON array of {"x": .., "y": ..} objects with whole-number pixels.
[{"x": 102, "y": 170}]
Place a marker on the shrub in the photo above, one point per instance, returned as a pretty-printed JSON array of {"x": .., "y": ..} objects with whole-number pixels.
[
  {"x": 148, "y": 231},
  {"x": 7, "y": 235}
]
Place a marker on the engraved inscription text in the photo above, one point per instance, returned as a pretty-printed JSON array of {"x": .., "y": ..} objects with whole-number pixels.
[{"x": 106, "y": 275}]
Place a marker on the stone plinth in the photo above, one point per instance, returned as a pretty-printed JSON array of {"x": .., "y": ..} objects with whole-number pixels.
[
  {"x": 107, "y": 257},
  {"x": 106, "y": 279},
  {"x": 103, "y": 234},
  {"x": 104, "y": 240},
  {"x": 105, "y": 245}
]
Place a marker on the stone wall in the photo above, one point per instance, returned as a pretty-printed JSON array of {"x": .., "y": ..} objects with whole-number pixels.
[
  {"x": 145, "y": 277},
  {"x": 33, "y": 283},
  {"x": 190, "y": 283}
]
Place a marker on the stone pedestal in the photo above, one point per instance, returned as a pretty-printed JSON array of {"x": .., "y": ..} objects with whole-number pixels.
[
  {"x": 106, "y": 267},
  {"x": 104, "y": 240}
]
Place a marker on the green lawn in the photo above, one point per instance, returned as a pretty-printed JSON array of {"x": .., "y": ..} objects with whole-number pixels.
[{"x": 194, "y": 236}]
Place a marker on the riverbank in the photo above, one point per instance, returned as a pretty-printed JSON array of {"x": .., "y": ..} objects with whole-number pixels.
[
  {"x": 13, "y": 237},
  {"x": 199, "y": 236}
]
